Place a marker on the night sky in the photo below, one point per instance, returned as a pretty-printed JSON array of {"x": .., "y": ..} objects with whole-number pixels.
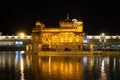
[{"x": 98, "y": 16}]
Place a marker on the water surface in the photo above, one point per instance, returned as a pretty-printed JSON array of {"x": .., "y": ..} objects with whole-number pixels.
[{"x": 20, "y": 66}]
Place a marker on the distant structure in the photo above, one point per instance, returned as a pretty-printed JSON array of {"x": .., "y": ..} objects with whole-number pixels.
[
  {"x": 0, "y": 33},
  {"x": 14, "y": 42},
  {"x": 68, "y": 36}
]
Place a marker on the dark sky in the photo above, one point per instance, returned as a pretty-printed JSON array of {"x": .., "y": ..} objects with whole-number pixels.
[{"x": 98, "y": 16}]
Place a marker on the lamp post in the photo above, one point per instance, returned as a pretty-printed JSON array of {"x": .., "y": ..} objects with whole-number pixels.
[
  {"x": 102, "y": 39},
  {"x": 22, "y": 35}
]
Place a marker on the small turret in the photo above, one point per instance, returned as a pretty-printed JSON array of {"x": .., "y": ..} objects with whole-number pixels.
[
  {"x": 80, "y": 26},
  {"x": 38, "y": 24},
  {"x": 36, "y": 36}
]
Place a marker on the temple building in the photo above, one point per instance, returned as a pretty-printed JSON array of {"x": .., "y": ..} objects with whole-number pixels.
[{"x": 67, "y": 37}]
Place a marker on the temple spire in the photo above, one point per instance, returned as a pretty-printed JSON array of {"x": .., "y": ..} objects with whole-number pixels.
[{"x": 67, "y": 16}]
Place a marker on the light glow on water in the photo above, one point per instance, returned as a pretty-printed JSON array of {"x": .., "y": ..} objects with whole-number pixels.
[
  {"x": 75, "y": 67},
  {"x": 103, "y": 73},
  {"x": 22, "y": 68}
]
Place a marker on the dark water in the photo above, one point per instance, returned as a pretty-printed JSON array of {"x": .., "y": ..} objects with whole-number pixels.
[{"x": 19, "y": 66}]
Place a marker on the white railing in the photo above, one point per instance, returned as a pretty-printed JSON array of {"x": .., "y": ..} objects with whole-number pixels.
[{"x": 14, "y": 37}]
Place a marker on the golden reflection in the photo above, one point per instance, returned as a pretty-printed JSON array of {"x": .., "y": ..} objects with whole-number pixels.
[
  {"x": 91, "y": 63},
  {"x": 28, "y": 60},
  {"x": 64, "y": 67},
  {"x": 49, "y": 65},
  {"x": 22, "y": 68}
]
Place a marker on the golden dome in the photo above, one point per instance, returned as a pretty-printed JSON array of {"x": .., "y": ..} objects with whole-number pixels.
[
  {"x": 67, "y": 23},
  {"x": 38, "y": 23}
]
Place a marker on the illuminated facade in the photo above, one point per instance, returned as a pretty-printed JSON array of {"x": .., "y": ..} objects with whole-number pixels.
[{"x": 68, "y": 36}]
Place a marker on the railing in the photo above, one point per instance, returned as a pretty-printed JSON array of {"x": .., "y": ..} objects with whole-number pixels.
[{"x": 15, "y": 37}]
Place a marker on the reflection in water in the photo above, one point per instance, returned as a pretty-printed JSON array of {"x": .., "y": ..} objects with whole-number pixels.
[
  {"x": 58, "y": 67},
  {"x": 19, "y": 62},
  {"x": 49, "y": 65},
  {"x": 103, "y": 74},
  {"x": 20, "y": 66}
]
